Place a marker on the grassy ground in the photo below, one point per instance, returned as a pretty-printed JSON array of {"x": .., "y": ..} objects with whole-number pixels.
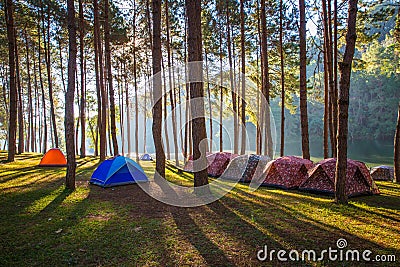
[{"x": 44, "y": 224}]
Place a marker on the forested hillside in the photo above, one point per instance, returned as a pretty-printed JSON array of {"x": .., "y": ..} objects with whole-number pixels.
[{"x": 42, "y": 54}]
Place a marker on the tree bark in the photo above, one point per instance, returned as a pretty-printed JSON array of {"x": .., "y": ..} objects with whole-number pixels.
[
  {"x": 171, "y": 87},
  {"x": 209, "y": 103},
  {"x": 303, "y": 82},
  {"x": 69, "y": 98},
  {"x": 165, "y": 98},
  {"x": 243, "y": 75},
  {"x": 326, "y": 106},
  {"x": 136, "y": 87},
  {"x": 157, "y": 89},
  {"x": 120, "y": 87},
  {"x": 61, "y": 65},
  {"x": 20, "y": 104},
  {"x": 221, "y": 93},
  {"x": 83, "y": 91},
  {"x": 282, "y": 150},
  {"x": 332, "y": 95},
  {"x": 44, "y": 139},
  {"x": 397, "y": 150},
  {"x": 265, "y": 86},
  {"x": 48, "y": 68},
  {"x": 101, "y": 94},
  {"x": 31, "y": 133},
  {"x": 107, "y": 46},
  {"x": 233, "y": 89},
  {"x": 36, "y": 89},
  {"x": 199, "y": 134},
  {"x": 128, "y": 112},
  {"x": 335, "y": 47},
  {"x": 260, "y": 72},
  {"x": 343, "y": 103},
  {"x": 12, "y": 124}
]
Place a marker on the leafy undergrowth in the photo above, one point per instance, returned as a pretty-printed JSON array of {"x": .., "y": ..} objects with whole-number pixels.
[{"x": 44, "y": 224}]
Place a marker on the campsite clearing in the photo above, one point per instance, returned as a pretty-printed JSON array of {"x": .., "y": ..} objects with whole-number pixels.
[{"x": 44, "y": 224}]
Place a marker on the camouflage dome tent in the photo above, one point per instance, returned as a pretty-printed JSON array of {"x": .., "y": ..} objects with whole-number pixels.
[
  {"x": 218, "y": 162},
  {"x": 286, "y": 172},
  {"x": 382, "y": 173},
  {"x": 255, "y": 168},
  {"x": 236, "y": 168},
  {"x": 322, "y": 179}
]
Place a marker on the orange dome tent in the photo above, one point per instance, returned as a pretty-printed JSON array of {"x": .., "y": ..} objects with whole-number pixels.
[{"x": 53, "y": 158}]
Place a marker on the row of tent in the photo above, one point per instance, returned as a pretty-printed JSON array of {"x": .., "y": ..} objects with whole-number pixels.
[
  {"x": 290, "y": 172},
  {"x": 287, "y": 172}
]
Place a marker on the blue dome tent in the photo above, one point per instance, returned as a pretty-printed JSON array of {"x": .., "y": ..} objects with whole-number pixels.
[
  {"x": 118, "y": 171},
  {"x": 146, "y": 157}
]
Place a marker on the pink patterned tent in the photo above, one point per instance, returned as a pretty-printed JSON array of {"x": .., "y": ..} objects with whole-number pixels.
[
  {"x": 287, "y": 172},
  {"x": 189, "y": 163},
  {"x": 322, "y": 178},
  {"x": 218, "y": 162}
]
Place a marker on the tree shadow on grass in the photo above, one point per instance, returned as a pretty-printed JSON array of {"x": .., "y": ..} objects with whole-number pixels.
[
  {"x": 210, "y": 252},
  {"x": 295, "y": 226},
  {"x": 23, "y": 156}
]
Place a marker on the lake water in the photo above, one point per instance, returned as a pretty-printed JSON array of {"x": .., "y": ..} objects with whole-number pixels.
[{"x": 372, "y": 151}]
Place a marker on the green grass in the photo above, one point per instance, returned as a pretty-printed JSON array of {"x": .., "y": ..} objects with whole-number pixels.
[{"x": 44, "y": 224}]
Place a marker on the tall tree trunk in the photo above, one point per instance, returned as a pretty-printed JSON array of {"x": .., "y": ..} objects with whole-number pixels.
[
  {"x": 165, "y": 98},
  {"x": 96, "y": 70},
  {"x": 187, "y": 107},
  {"x": 233, "y": 89},
  {"x": 303, "y": 82},
  {"x": 128, "y": 112},
  {"x": 20, "y": 103},
  {"x": 243, "y": 75},
  {"x": 335, "y": 48},
  {"x": 83, "y": 94},
  {"x": 397, "y": 150},
  {"x": 332, "y": 95},
  {"x": 35, "y": 121},
  {"x": 136, "y": 87},
  {"x": 209, "y": 103},
  {"x": 332, "y": 80},
  {"x": 260, "y": 72},
  {"x": 326, "y": 106},
  {"x": 69, "y": 98},
  {"x": 61, "y": 65},
  {"x": 101, "y": 94},
  {"x": 171, "y": 87},
  {"x": 107, "y": 46},
  {"x": 266, "y": 122},
  {"x": 157, "y": 89},
  {"x": 48, "y": 68},
  {"x": 282, "y": 78},
  {"x": 180, "y": 110},
  {"x": 144, "y": 117},
  {"x": 44, "y": 147},
  {"x": 120, "y": 87},
  {"x": 343, "y": 103},
  {"x": 77, "y": 119},
  {"x": 221, "y": 94},
  {"x": 31, "y": 133},
  {"x": 199, "y": 134},
  {"x": 12, "y": 124}
]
